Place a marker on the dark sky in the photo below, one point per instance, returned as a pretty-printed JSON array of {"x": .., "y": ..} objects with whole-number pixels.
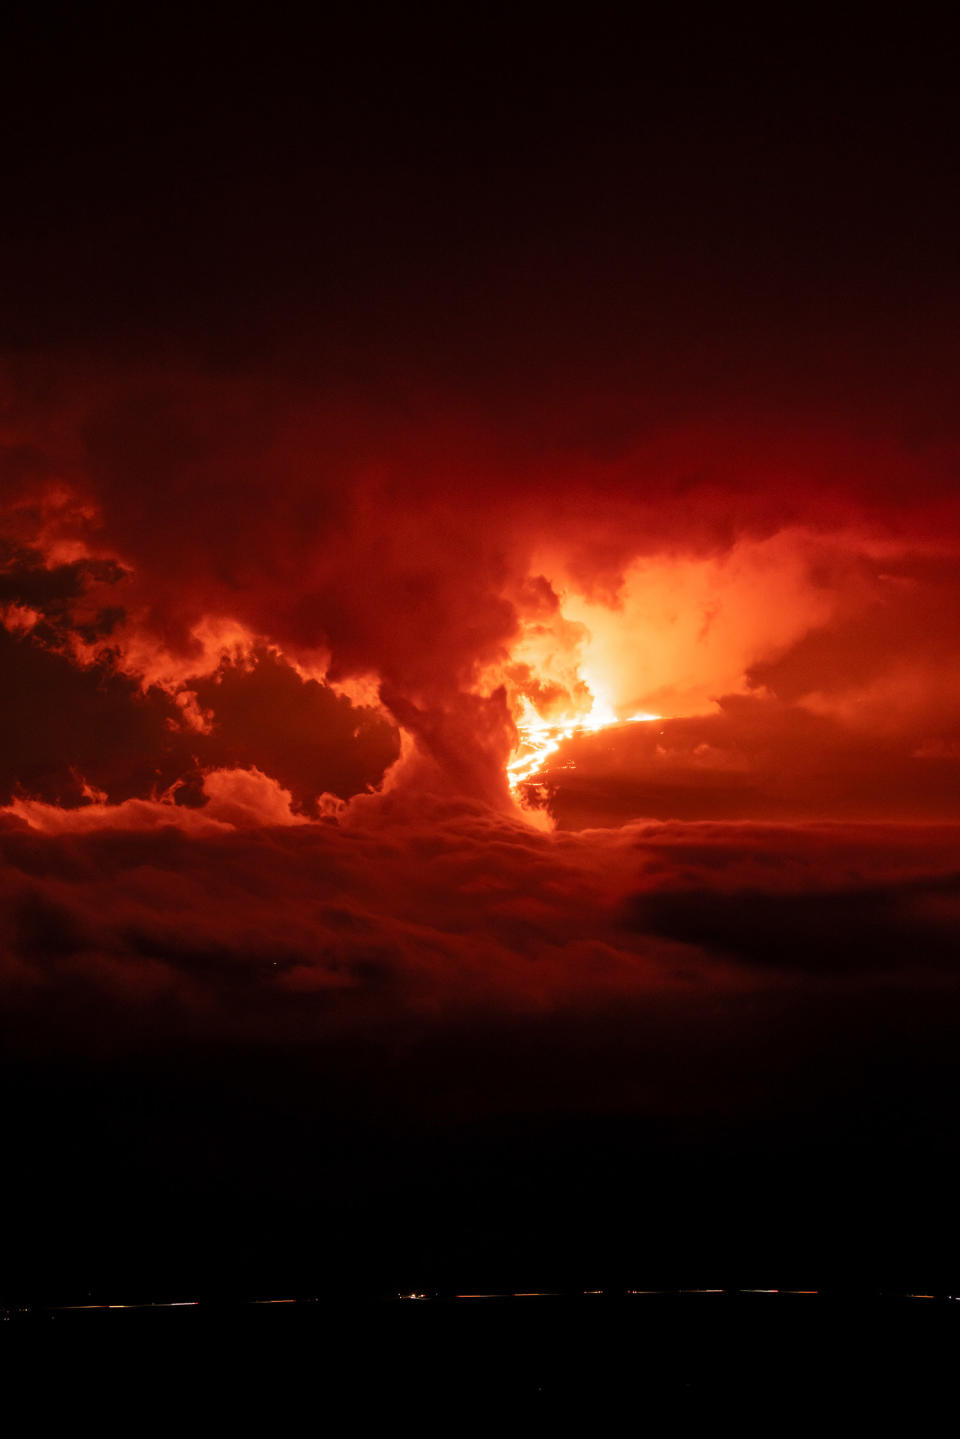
[{"x": 379, "y": 400}]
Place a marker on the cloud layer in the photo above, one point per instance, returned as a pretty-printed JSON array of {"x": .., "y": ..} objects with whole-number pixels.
[
  {"x": 265, "y": 656},
  {"x": 243, "y": 919}
]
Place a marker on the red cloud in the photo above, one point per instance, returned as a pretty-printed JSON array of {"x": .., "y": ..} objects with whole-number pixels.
[
  {"x": 232, "y": 544},
  {"x": 246, "y": 918},
  {"x": 272, "y": 676}
]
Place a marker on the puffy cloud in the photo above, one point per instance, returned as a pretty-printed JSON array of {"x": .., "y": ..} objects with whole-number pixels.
[
  {"x": 298, "y": 730},
  {"x": 94, "y": 705},
  {"x": 235, "y": 799}
]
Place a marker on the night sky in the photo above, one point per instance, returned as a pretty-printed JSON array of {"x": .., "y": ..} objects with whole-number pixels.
[{"x": 479, "y": 703}]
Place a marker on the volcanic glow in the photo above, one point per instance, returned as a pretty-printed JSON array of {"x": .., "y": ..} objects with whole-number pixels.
[
  {"x": 540, "y": 738},
  {"x": 479, "y": 665}
]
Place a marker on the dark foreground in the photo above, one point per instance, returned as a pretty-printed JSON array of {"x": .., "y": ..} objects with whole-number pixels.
[{"x": 757, "y": 1358}]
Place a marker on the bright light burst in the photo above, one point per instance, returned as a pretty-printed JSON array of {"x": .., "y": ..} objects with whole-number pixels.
[{"x": 540, "y": 738}]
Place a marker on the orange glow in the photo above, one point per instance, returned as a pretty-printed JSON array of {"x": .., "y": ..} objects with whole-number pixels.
[
  {"x": 671, "y": 636},
  {"x": 553, "y": 688},
  {"x": 539, "y": 738}
]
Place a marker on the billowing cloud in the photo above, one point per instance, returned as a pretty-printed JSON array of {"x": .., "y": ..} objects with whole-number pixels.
[
  {"x": 231, "y": 560},
  {"x": 268, "y": 658}
]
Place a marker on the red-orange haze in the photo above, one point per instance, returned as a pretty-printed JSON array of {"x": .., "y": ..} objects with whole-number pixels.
[
  {"x": 298, "y": 587},
  {"x": 229, "y": 616},
  {"x": 479, "y": 598}
]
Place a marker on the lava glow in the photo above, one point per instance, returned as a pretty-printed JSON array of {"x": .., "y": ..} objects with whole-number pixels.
[{"x": 540, "y": 738}]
